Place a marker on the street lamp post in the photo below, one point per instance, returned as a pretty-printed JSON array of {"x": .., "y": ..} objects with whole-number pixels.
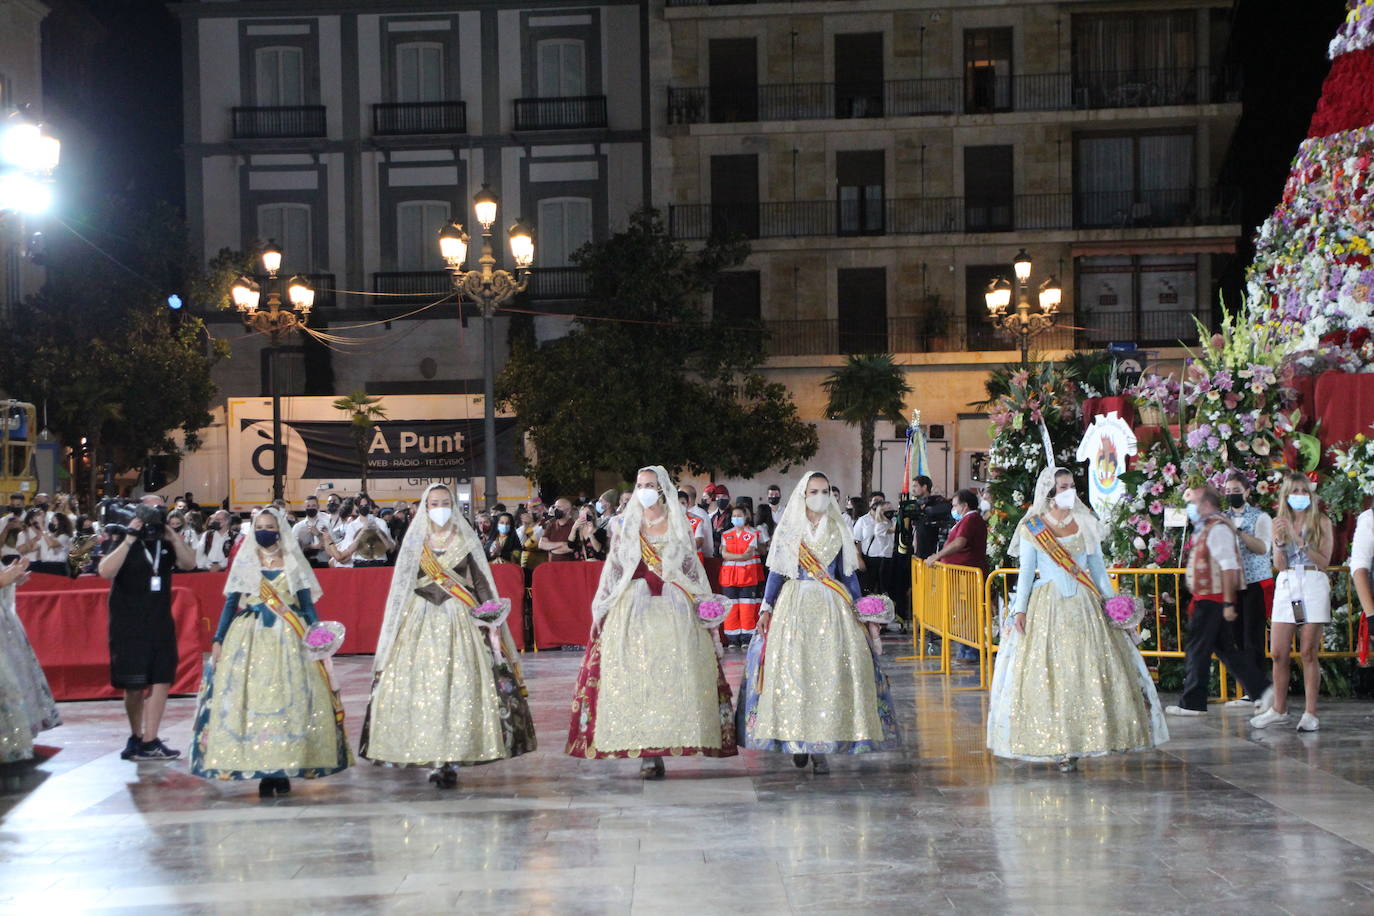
[
  {"x": 276, "y": 321},
  {"x": 1023, "y": 323},
  {"x": 488, "y": 287}
]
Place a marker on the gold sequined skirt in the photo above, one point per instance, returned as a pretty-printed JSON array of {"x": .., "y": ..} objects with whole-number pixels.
[
  {"x": 818, "y": 684},
  {"x": 437, "y": 700},
  {"x": 267, "y": 709},
  {"x": 1072, "y": 685},
  {"x": 659, "y": 684}
]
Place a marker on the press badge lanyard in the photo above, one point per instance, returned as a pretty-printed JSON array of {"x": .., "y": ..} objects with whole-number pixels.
[{"x": 155, "y": 582}]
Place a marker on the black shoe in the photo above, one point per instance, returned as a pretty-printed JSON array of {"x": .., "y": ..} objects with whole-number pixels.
[
  {"x": 267, "y": 787},
  {"x": 131, "y": 747},
  {"x": 799, "y": 760},
  {"x": 819, "y": 765},
  {"x": 283, "y": 786},
  {"x": 155, "y": 750}
]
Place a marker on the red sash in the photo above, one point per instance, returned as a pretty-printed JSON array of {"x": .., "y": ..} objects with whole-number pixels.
[
  {"x": 654, "y": 561},
  {"x": 268, "y": 595},
  {"x": 1051, "y": 547},
  {"x": 431, "y": 567}
]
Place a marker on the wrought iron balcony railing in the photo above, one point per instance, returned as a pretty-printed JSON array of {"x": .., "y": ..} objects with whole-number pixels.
[
  {"x": 285, "y": 121},
  {"x": 402, "y": 118},
  {"x": 571, "y": 113}
]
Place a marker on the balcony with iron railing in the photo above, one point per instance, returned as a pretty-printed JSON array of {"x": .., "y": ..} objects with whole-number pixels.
[
  {"x": 919, "y": 334},
  {"x": 568, "y": 113},
  {"x": 554, "y": 283},
  {"x": 408, "y": 118},
  {"x": 975, "y": 94},
  {"x": 399, "y": 286},
  {"x": 1140, "y": 208},
  {"x": 278, "y": 122}
]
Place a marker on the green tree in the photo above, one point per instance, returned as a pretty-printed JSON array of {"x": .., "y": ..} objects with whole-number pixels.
[
  {"x": 644, "y": 378},
  {"x": 867, "y": 388},
  {"x": 99, "y": 348},
  {"x": 363, "y": 410}
]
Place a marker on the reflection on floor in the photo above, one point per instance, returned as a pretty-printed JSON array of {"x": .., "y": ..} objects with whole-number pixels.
[{"x": 1221, "y": 820}]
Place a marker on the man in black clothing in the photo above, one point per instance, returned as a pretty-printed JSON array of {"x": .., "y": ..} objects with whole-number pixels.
[{"x": 143, "y": 638}]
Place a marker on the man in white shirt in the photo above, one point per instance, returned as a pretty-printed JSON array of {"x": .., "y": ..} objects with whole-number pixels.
[
  {"x": 708, "y": 544},
  {"x": 1214, "y": 579},
  {"x": 874, "y": 535},
  {"x": 367, "y": 538},
  {"x": 307, "y": 532},
  {"x": 212, "y": 550}
]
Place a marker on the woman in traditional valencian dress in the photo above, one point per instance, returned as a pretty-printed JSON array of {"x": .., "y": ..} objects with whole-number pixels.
[
  {"x": 447, "y": 689},
  {"x": 1067, "y": 684},
  {"x": 267, "y": 710},
  {"x": 651, "y": 684},
  {"x": 813, "y": 684},
  {"x": 26, "y": 703}
]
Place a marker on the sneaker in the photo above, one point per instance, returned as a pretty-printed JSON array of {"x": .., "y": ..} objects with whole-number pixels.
[
  {"x": 1266, "y": 700},
  {"x": 130, "y": 747},
  {"x": 1181, "y": 711},
  {"x": 1308, "y": 723},
  {"x": 1268, "y": 718},
  {"x": 155, "y": 750},
  {"x": 1242, "y": 701}
]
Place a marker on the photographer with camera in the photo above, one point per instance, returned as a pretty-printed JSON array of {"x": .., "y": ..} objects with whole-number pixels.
[
  {"x": 875, "y": 534},
  {"x": 46, "y": 542},
  {"x": 212, "y": 553},
  {"x": 143, "y": 638},
  {"x": 308, "y": 534}
]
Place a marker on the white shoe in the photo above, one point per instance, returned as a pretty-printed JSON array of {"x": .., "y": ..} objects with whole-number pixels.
[
  {"x": 1268, "y": 718},
  {"x": 1308, "y": 723},
  {"x": 1266, "y": 700},
  {"x": 1180, "y": 711},
  {"x": 1243, "y": 701}
]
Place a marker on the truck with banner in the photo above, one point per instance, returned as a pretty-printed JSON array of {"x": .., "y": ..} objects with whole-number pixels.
[{"x": 423, "y": 439}]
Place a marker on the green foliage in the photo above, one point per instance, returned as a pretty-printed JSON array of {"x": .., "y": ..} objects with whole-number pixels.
[
  {"x": 643, "y": 378},
  {"x": 98, "y": 347},
  {"x": 867, "y": 388},
  {"x": 362, "y": 410}
]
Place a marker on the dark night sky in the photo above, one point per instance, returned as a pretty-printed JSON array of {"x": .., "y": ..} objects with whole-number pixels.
[{"x": 113, "y": 72}]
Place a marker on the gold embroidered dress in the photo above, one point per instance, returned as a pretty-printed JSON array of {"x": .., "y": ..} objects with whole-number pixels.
[{"x": 448, "y": 691}]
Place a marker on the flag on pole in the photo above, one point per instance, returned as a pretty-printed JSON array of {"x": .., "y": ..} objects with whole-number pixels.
[{"x": 917, "y": 461}]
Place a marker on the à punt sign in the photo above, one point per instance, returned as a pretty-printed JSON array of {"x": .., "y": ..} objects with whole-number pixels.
[{"x": 412, "y": 443}]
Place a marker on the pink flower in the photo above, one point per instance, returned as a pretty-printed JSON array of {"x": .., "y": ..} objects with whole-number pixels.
[
  {"x": 870, "y": 606},
  {"x": 319, "y": 637},
  {"x": 710, "y": 609},
  {"x": 1142, "y": 527},
  {"x": 1120, "y": 607},
  {"x": 1157, "y": 489},
  {"x": 1156, "y": 508}
]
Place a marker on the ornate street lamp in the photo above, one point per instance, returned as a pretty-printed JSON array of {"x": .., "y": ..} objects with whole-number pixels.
[
  {"x": 276, "y": 321},
  {"x": 1023, "y": 322},
  {"x": 27, "y": 160},
  {"x": 489, "y": 288}
]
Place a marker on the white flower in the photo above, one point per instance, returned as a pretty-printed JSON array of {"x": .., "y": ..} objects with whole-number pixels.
[{"x": 1138, "y": 544}]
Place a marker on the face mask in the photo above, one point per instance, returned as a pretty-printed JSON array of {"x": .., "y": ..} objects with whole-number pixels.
[
  {"x": 332, "y": 508},
  {"x": 214, "y": 526},
  {"x": 1065, "y": 499},
  {"x": 364, "y": 511},
  {"x": 890, "y": 514},
  {"x": 52, "y": 529},
  {"x": 737, "y": 522},
  {"x": 1299, "y": 502},
  {"x": 311, "y": 513},
  {"x": 600, "y": 507},
  {"x": 557, "y": 513},
  {"x": 985, "y": 506},
  {"x": 1236, "y": 500},
  {"x": 955, "y": 514},
  {"x": 818, "y": 502},
  {"x": 722, "y": 503},
  {"x": 440, "y": 515},
  {"x": 703, "y": 503},
  {"x": 1192, "y": 513},
  {"x": 503, "y": 528},
  {"x": 774, "y": 500},
  {"x": 266, "y": 537},
  {"x": 647, "y": 497}
]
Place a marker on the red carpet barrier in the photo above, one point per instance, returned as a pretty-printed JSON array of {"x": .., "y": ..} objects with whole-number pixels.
[
  {"x": 69, "y": 630},
  {"x": 79, "y": 654},
  {"x": 563, "y": 595}
]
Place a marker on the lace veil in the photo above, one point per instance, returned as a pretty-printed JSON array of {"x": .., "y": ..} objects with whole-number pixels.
[
  {"x": 1088, "y": 523},
  {"x": 784, "y": 554},
  {"x": 680, "y": 563},
  {"x": 408, "y": 567},
  {"x": 247, "y": 569}
]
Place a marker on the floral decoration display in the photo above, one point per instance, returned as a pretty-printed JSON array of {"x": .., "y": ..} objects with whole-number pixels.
[{"x": 493, "y": 611}]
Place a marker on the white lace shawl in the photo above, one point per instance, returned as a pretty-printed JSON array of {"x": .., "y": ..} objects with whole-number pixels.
[
  {"x": 246, "y": 571},
  {"x": 792, "y": 528},
  {"x": 406, "y": 572},
  {"x": 1088, "y": 522},
  {"x": 679, "y": 554}
]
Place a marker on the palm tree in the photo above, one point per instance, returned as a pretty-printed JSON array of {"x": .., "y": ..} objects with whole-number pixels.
[
  {"x": 363, "y": 410},
  {"x": 866, "y": 388}
]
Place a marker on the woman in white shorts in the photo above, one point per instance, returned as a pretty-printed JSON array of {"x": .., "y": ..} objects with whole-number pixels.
[{"x": 1302, "y": 597}]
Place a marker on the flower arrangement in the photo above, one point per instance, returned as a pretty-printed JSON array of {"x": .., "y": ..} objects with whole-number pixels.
[
  {"x": 712, "y": 610},
  {"x": 323, "y": 639},
  {"x": 1345, "y": 488},
  {"x": 1020, "y": 398},
  {"x": 492, "y": 612},
  {"x": 1357, "y": 32},
  {"x": 875, "y": 609},
  {"x": 1124, "y": 611}
]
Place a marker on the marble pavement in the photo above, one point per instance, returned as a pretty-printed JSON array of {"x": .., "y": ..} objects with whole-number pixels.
[{"x": 1220, "y": 820}]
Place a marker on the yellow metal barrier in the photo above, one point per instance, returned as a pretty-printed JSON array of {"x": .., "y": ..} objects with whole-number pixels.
[{"x": 948, "y": 601}]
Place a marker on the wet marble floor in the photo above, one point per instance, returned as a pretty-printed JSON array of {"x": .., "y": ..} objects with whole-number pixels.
[{"x": 1220, "y": 820}]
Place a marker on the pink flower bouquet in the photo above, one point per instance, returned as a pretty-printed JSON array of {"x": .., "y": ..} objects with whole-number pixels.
[
  {"x": 875, "y": 609},
  {"x": 712, "y": 610},
  {"x": 323, "y": 639},
  {"x": 1124, "y": 611},
  {"x": 492, "y": 613}
]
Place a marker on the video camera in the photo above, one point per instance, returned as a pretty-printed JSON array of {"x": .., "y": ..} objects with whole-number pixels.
[
  {"x": 923, "y": 524},
  {"x": 116, "y": 515}
]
